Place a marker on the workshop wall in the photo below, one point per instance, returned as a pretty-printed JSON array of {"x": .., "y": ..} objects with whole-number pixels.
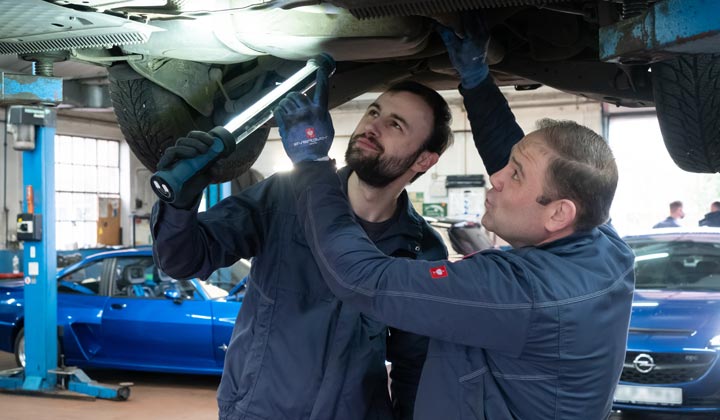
[{"x": 11, "y": 187}]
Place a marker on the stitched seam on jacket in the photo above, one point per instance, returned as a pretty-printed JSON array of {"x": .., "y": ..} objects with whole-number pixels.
[
  {"x": 559, "y": 346},
  {"x": 266, "y": 338},
  {"x": 473, "y": 375},
  {"x": 442, "y": 299},
  {"x": 589, "y": 296},
  {"x": 259, "y": 290},
  {"x": 514, "y": 377}
]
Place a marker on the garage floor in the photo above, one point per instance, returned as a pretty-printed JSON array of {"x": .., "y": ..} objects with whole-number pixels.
[{"x": 154, "y": 397}]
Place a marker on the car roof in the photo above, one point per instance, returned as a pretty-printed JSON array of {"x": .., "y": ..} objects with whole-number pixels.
[
  {"x": 123, "y": 252},
  {"x": 699, "y": 234}
]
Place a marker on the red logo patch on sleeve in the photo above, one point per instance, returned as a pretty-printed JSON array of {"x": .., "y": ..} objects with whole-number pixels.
[
  {"x": 310, "y": 132},
  {"x": 438, "y": 272}
]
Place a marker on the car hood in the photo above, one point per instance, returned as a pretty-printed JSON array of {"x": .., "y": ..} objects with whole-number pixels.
[{"x": 690, "y": 316}]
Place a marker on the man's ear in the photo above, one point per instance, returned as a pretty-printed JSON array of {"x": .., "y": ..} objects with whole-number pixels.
[
  {"x": 563, "y": 213},
  {"x": 425, "y": 161}
]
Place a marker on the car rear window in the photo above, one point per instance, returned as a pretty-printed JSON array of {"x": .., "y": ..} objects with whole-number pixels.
[{"x": 677, "y": 265}]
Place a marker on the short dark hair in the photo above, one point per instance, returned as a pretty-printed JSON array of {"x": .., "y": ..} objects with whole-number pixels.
[
  {"x": 582, "y": 169},
  {"x": 715, "y": 205},
  {"x": 441, "y": 136},
  {"x": 675, "y": 205}
]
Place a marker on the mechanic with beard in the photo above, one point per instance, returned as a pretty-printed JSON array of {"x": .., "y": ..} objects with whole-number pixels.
[
  {"x": 537, "y": 332},
  {"x": 296, "y": 351}
]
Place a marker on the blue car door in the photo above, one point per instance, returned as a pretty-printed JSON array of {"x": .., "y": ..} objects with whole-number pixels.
[
  {"x": 144, "y": 328},
  {"x": 81, "y": 301}
]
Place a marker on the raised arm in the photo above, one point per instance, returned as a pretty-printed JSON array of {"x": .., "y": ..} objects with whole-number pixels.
[
  {"x": 491, "y": 120},
  {"x": 477, "y": 301}
]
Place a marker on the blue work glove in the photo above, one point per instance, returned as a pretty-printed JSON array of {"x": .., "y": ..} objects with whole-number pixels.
[
  {"x": 305, "y": 125},
  {"x": 194, "y": 144},
  {"x": 468, "y": 53}
]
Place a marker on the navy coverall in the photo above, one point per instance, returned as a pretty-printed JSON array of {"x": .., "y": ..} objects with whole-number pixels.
[
  {"x": 538, "y": 332},
  {"x": 296, "y": 351},
  {"x": 669, "y": 222},
  {"x": 711, "y": 219}
]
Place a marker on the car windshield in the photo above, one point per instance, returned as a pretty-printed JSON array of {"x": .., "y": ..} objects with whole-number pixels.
[
  {"x": 213, "y": 292},
  {"x": 677, "y": 265}
]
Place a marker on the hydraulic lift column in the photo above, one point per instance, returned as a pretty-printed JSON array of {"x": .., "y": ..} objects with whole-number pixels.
[
  {"x": 32, "y": 128},
  {"x": 37, "y": 230}
]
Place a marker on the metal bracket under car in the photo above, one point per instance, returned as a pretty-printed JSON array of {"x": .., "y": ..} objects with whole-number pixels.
[{"x": 668, "y": 28}]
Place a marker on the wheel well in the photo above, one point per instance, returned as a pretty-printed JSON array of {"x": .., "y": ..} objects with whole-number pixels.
[{"x": 20, "y": 324}]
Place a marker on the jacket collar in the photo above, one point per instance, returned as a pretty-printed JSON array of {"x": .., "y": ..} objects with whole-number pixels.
[
  {"x": 405, "y": 235},
  {"x": 576, "y": 238}
]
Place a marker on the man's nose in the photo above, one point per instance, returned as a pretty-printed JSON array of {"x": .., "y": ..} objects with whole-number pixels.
[
  {"x": 496, "y": 181},
  {"x": 372, "y": 127}
]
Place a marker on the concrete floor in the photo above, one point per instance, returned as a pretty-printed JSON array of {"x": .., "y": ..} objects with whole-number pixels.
[{"x": 155, "y": 396}]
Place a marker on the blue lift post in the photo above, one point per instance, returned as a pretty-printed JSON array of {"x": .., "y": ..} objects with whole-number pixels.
[
  {"x": 37, "y": 227},
  {"x": 214, "y": 193},
  {"x": 669, "y": 27}
]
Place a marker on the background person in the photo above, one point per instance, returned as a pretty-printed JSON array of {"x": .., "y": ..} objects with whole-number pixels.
[
  {"x": 676, "y": 213},
  {"x": 712, "y": 218}
]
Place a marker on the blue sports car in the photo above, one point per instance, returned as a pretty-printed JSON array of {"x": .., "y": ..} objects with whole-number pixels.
[
  {"x": 117, "y": 310},
  {"x": 671, "y": 364}
]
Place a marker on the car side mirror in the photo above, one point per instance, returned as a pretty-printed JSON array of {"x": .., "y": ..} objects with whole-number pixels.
[{"x": 174, "y": 295}]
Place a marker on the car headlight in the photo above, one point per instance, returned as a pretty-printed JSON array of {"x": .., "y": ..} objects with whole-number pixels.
[{"x": 715, "y": 342}]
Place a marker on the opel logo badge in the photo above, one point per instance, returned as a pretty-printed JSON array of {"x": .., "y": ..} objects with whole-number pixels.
[{"x": 644, "y": 363}]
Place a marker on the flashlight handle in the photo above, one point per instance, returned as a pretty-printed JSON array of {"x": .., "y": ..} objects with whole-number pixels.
[{"x": 170, "y": 185}]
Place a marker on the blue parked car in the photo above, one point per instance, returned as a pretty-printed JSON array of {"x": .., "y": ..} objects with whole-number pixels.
[
  {"x": 671, "y": 364},
  {"x": 117, "y": 310}
]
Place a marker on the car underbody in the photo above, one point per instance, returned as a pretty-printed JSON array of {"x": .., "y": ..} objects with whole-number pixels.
[{"x": 204, "y": 61}]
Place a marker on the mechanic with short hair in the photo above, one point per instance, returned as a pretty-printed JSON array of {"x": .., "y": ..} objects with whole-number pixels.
[
  {"x": 537, "y": 332},
  {"x": 712, "y": 219},
  {"x": 676, "y": 213},
  {"x": 297, "y": 352}
]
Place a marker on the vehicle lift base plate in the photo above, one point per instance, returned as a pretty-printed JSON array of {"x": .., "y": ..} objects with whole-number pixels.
[{"x": 75, "y": 384}]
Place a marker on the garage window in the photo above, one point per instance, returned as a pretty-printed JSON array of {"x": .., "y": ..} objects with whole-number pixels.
[{"x": 85, "y": 170}]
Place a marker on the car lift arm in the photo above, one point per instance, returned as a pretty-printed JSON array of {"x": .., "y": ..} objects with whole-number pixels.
[{"x": 668, "y": 28}]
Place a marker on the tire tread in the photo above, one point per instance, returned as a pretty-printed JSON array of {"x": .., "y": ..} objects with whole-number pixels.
[{"x": 687, "y": 98}]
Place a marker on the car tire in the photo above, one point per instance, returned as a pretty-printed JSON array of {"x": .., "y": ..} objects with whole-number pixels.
[
  {"x": 687, "y": 100},
  {"x": 152, "y": 118},
  {"x": 19, "y": 349}
]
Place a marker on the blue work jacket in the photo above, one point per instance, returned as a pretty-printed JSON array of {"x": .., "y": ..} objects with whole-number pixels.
[
  {"x": 297, "y": 352},
  {"x": 532, "y": 333}
]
